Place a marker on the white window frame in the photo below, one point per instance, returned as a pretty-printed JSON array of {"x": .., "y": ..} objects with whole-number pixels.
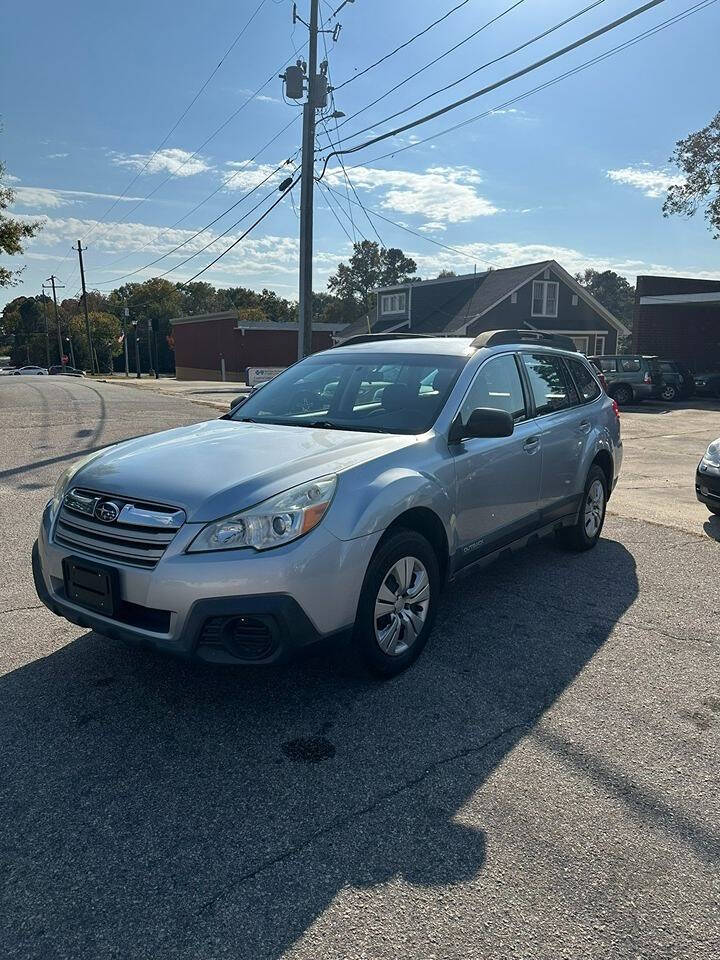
[
  {"x": 393, "y": 303},
  {"x": 582, "y": 349},
  {"x": 574, "y": 299},
  {"x": 545, "y": 284},
  {"x": 600, "y": 342}
]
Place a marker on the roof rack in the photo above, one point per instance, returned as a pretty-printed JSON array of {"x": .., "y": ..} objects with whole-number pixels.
[
  {"x": 492, "y": 338},
  {"x": 377, "y": 337}
]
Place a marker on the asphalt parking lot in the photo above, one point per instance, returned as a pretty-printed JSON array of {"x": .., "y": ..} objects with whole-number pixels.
[{"x": 543, "y": 784}]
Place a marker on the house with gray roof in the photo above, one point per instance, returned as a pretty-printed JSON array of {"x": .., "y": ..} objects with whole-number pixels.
[{"x": 541, "y": 296}]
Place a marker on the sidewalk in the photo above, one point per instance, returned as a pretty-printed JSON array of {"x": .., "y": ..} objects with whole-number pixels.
[{"x": 212, "y": 393}]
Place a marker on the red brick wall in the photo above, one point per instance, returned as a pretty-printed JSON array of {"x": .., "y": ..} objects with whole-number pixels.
[{"x": 198, "y": 347}]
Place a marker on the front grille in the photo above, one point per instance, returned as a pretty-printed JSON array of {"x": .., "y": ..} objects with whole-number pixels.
[
  {"x": 248, "y": 638},
  {"x": 139, "y": 535}
]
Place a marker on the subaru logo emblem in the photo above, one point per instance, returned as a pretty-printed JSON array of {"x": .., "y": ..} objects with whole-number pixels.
[{"x": 107, "y": 511}]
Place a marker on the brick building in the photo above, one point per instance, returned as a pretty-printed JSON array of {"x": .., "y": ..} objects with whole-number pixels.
[
  {"x": 203, "y": 341},
  {"x": 678, "y": 318}
]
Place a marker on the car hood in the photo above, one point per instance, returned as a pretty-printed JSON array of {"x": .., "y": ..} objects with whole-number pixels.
[{"x": 215, "y": 468}]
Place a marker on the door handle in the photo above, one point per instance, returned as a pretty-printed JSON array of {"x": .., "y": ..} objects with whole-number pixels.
[
  {"x": 584, "y": 426},
  {"x": 531, "y": 444}
]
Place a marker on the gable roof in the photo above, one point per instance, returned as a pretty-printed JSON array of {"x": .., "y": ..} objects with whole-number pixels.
[{"x": 489, "y": 289}]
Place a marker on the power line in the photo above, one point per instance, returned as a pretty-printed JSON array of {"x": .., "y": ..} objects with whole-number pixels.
[
  {"x": 182, "y": 116},
  {"x": 421, "y": 236},
  {"x": 335, "y": 117},
  {"x": 483, "y": 66},
  {"x": 225, "y": 232},
  {"x": 222, "y": 185},
  {"x": 499, "y": 83},
  {"x": 243, "y": 235},
  {"x": 402, "y": 45},
  {"x": 332, "y": 211},
  {"x": 201, "y": 230},
  {"x": 671, "y": 21},
  {"x": 205, "y": 142}
]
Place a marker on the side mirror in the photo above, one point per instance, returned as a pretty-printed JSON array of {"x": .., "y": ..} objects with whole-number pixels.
[
  {"x": 238, "y": 401},
  {"x": 483, "y": 422}
]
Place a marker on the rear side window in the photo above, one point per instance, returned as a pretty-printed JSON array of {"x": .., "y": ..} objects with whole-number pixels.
[
  {"x": 606, "y": 364},
  {"x": 496, "y": 385},
  {"x": 548, "y": 382},
  {"x": 588, "y": 387},
  {"x": 630, "y": 364}
]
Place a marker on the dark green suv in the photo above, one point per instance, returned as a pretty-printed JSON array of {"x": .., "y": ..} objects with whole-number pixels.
[{"x": 630, "y": 377}]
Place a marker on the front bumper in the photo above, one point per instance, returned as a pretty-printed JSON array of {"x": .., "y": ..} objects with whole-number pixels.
[
  {"x": 707, "y": 486},
  {"x": 290, "y": 598}
]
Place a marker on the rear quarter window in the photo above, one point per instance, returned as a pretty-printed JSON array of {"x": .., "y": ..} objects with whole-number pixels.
[
  {"x": 587, "y": 385},
  {"x": 630, "y": 364}
]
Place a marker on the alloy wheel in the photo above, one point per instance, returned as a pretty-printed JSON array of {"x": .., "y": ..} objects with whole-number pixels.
[
  {"x": 594, "y": 508},
  {"x": 401, "y": 606}
]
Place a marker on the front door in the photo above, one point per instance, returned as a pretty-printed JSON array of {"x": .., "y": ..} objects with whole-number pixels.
[{"x": 498, "y": 479}]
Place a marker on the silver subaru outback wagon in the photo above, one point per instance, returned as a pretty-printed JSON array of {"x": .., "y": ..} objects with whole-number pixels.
[{"x": 335, "y": 502}]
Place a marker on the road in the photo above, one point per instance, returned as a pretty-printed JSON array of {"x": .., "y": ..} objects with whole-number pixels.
[{"x": 543, "y": 784}]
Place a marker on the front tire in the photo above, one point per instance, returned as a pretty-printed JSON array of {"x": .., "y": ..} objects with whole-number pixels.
[
  {"x": 669, "y": 393},
  {"x": 585, "y": 533},
  {"x": 397, "y": 604}
]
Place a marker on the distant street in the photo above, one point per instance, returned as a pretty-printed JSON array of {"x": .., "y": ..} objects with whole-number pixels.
[{"x": 542, "y": 784}]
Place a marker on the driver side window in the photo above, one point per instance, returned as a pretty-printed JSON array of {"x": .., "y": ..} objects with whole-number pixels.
[{"x": 496, "y": 385}]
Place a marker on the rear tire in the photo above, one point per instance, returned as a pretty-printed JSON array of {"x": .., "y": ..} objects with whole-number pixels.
[
  {"x": 397, "y": 604},
  {"x": 622, "y": 393},
  {"x": 585, "y": 532},
  {"x": 669, "y": 393}
]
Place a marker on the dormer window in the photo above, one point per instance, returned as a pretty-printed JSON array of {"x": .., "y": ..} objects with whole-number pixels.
[{"x": 393, "y": 303}]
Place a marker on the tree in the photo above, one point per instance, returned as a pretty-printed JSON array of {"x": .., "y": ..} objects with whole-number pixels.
[
  {"x": 613, "y": 291},
  {"x": 698, "y": 157},
  {"x": 107, "y": 338},
  {"x": 251, "y": 315},
  {"x": 12, "y": 233},
  {"x": 370, "y": 266}
]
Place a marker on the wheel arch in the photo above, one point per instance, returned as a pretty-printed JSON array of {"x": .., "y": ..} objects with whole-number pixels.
[
  {"x": 604, "y": 460},
  {"x": 426, "y": 522}
]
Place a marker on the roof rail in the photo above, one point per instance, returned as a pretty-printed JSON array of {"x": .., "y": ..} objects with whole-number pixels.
[
  {"x": 492, "y": 338},
  {"x": 376, "y": 337}
]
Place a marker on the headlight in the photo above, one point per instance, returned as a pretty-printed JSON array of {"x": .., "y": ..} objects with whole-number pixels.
[
  {"x": 274, "y": 522},
  {"x": 712, "y": 455}
]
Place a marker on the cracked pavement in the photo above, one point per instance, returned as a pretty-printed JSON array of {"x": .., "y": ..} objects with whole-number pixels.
[{"x": 543, "y": 784}]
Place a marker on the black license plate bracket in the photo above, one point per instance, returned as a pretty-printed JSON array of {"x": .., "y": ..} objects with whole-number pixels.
[{"x": 91, "y": 585}]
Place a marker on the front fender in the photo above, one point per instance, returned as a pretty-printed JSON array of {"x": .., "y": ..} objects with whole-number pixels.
[{"x": 373, "y": 506}]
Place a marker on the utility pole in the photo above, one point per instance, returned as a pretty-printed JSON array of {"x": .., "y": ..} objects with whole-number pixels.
[
  {"x": 87, "y": 318},
  {"x": 72, "y": 352},
  {"x": 126, "y": 314},
  {"x": 137, "y": 350},
  {"x": 317, "y": 96},
  {"x": 47, "y": 334},
  {"x": 52, "y": 280}
]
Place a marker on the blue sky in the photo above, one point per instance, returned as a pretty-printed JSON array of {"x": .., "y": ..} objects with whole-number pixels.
[{"x": 575, "y": 171}]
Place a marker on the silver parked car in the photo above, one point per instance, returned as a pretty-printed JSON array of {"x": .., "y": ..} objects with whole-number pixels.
[{"x": 337, "y": 501}]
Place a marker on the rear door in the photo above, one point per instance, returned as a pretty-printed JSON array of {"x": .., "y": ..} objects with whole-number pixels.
[
  {"x": 564, "y": 426},
  {"x": 498, "y": 479}
]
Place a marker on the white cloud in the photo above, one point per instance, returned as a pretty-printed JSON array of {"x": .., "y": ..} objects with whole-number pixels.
[
  {"x": 442, "y": 194},
  {"x": 57, "y": 156},
  {"x": 51, "y": 198},
  {"x": 510, "y": 254},
  {"x": 432, "y": 227},
  {"x": 180, "y": 163},
  {"x": 653, "y": 183}
]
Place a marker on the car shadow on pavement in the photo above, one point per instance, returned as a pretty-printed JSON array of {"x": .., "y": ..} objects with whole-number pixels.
[
  {"x": 712, "y": 527},
  {"x": 153, "y": 808}
]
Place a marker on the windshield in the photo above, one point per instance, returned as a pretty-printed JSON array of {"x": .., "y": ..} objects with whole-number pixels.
[{"x": 403, "y": 394}]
